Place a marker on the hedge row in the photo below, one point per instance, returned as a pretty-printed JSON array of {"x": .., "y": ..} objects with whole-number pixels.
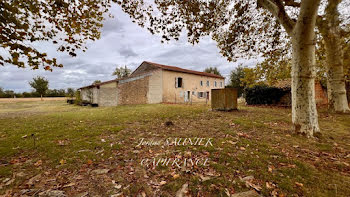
[{"x": 265, "y": 95}]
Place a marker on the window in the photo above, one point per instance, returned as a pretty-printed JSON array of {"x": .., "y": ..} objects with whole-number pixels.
[
  {"x": 201, "y": 83},
  {"x": 208, "y": 84},
  {"x": 215, "y": 84},
  {"x": 200, "y": 94},
  {"x": 178, "y": 82},
  {"x": 221, "y": 84},
  {"x": 193, "y": 93}
]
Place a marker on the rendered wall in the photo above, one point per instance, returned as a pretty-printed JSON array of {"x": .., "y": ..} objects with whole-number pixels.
[
  {"x": 108, "y": 94},
  {"x": 191, "y": 83},
  {"x": 155, "y": 87}
]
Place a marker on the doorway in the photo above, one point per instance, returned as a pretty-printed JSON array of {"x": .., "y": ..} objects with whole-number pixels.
[{"x": 187, "y": 96}]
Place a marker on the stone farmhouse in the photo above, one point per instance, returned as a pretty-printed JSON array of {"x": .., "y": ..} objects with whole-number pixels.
[{"x": 154, "y": 83}]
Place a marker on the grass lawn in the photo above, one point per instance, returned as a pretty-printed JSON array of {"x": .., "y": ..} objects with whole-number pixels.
[{"x": 94, "y": 151}]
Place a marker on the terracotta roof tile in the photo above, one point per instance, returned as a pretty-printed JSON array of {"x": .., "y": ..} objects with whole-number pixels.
[
  {"x": 165, "y": 67},
  {"x": 177, "y": 69}
]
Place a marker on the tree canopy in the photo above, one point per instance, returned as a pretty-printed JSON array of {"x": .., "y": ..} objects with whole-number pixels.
[
  {"x": 40, "y": 84},
  {"x": 213, "y": 70},
  {"x": 122, "y": 71},
  {"x": 96, "y": 82},
  {"x": 67, "y": 24}
]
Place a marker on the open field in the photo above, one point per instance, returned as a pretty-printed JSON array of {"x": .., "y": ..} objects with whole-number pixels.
[
  {"x": 7, "y": 100},
  {"x": 93, "y": 151}
]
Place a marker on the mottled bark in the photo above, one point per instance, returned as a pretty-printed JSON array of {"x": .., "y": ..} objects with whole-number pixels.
[
  {"x": 302, "y": 33},
  {"x": 330, "y": 30},
  {"x": 304, "y": 112}
]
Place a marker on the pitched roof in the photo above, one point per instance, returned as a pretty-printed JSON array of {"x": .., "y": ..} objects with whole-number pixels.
[
  {"x": 98, "y": 84},
  {"x": 177, "y": 69},
  {"x": 164, "y": 67},
  {"x": 285, "y": 83}
]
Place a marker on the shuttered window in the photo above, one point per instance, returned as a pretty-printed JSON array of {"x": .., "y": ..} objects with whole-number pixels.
[{"x": 178, "y": 82}]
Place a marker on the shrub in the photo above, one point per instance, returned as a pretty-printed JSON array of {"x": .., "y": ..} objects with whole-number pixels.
[
  {"x": 264, "y": 95},
  {"x": 77, "y": 100}
]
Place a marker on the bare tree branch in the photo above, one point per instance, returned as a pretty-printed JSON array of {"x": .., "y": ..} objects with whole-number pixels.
[
  {"x": 291, "y": 3},
  {"x": 278, "y": 11}
]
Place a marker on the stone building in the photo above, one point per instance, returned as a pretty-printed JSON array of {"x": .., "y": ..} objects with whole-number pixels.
[
  {"x": 320, "y": 93},
  {"x": 154, "y": 83},
  {"x": 103, "y": 94}
]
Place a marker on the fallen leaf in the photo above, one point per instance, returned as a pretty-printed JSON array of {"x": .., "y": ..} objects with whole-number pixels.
[
  {"x": 187, "y": 154},
  {"x": 62, "y": 161},
  {"x": 33, "y": 179},
  {"x": 69, "y": 185},
  {"x": 299, "y": 184},
  {"x": 227, "y": 192},
  {"x": 162, "y": 183},
  {"x": 175, "y": 176},
  {"x": 269, "y": 185},
  {"x": 38, "y": 163},
  {"x": 9, "y": 182},
  {"x": 89, "y": 162},
  {"x": 100, "y": 171},
  {"x": 231, "y": 142},
  {"x": 204, "y": 178},
  {"x": 182, "y": 191},
  {"x": 247, "y": 178}
]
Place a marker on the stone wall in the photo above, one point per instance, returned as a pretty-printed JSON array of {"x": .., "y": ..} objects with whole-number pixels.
[
  {"x": 85, "y": 94},
  {"x": 143, "y": 68},
  {"x": 95, "y": 95},
  {"x": 88, "y": 94},
  {"x": 133, "y": 90}
]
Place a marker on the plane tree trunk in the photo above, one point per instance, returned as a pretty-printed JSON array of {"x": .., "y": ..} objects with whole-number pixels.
[
  {"x": 302, "y": 34},
  {"x": 330, "y": 30}
]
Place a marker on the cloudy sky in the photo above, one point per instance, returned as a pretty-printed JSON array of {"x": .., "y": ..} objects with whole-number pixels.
[{"x": 122, "y": 43}]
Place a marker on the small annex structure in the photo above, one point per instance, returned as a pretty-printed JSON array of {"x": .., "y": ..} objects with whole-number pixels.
[
  {"x": 321, "y": 96},
  {"x": 154, "y": 83}
]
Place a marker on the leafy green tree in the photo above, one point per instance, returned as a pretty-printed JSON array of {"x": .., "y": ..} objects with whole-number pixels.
[
  {"x": 235, "y": 79},
  {"x": 70, "y": 92},
  {"x": 96, "y": 82},
  {"x": 121, "y": 72},
  {"x": 213, "y": 70},
  {"x": 273, "y": 71},
  {"x": 40, "y": 84},
  {"x": 68, "y": 24},
  {"x": 251, "y": 78}
]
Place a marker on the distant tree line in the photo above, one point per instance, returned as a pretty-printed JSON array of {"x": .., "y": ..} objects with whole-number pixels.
[
  {"x": 49, "y": 93},
  {"x": 41, "y": 88}
]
